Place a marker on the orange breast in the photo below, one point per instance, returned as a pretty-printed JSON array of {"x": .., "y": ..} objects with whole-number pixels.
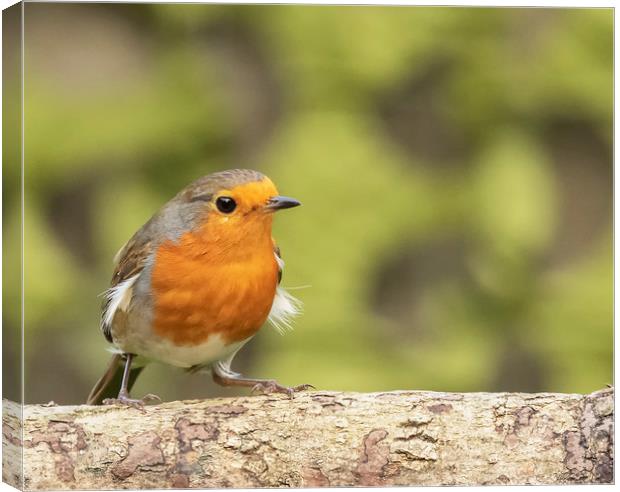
[{"x": 214, "y": 280}]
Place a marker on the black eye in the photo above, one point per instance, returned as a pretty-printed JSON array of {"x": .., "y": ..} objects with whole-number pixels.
[{"x": 225, "y": 204}]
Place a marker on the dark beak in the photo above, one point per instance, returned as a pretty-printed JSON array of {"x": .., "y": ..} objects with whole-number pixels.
[{"x": 280, "y": 202}]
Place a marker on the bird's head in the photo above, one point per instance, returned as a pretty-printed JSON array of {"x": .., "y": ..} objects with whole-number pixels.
[{"x": 238, "y": 197}]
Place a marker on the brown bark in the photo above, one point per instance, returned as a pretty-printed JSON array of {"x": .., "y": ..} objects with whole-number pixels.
[{"x": 317, "y": 439}]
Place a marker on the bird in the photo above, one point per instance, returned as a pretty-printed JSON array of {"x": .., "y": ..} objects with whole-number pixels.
[{"x": 195, "y": 283}]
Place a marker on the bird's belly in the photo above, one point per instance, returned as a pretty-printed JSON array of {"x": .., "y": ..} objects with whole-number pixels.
[
  {"x": 210, "y": 305},
  {"x": 201, "y": 354}
]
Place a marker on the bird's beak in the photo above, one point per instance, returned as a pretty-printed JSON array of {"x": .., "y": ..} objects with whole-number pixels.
[{"x": 280, "y": 202}]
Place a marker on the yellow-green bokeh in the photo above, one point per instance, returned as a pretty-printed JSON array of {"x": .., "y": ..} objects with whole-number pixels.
[{"x": 454, "y": 166}]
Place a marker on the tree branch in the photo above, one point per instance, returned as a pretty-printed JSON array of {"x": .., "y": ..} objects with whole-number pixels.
[{"x": 316, "y": 439}]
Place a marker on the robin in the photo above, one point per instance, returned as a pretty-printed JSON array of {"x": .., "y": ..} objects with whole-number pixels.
[{"x": 195, "y": 283}]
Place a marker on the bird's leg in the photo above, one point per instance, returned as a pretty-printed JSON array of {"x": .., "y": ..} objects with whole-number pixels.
[
  {"x": 223, "y": 376},
  {"x": 123, "y": 395}
]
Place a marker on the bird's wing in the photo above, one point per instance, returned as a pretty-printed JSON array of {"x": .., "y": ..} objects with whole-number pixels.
[
  {"x": 279, "y": 260},
  {"x": 285, "y": 307},
  {"x": 129, "y": 262},
  {"x": 173, "y": 218}
]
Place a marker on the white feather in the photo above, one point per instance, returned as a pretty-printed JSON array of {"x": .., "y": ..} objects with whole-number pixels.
[
  {"x": 284, "y": 309},
  {"x": 117, "y": 256},
  {"x": 118, "y": 297},
  {"x": 280, "y": 262}
]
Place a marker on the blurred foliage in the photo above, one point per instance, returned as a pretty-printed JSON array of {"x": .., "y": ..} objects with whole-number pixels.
[
  {"x": 11, "y": 238},
  {"x": 454, "y": 165}
]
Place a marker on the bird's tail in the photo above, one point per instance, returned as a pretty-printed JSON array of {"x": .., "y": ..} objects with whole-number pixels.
[{"x": 109, "y": 384}]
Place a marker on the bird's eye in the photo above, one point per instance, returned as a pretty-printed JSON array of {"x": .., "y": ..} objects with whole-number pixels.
[{"x": 225, "y": 204}]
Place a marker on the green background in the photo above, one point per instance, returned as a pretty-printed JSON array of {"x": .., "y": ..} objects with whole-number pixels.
[{"x": 454, "y": 166}]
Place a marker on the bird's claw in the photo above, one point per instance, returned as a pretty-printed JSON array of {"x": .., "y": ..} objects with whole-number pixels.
[
  {"x": 138, "y": 404},
  {"x": 151, "y": 399},
  {"x": 302, "y": 387},
  {"x": 271, "y": 386}
]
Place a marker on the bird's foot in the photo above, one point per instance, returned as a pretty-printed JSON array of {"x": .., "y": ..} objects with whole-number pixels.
[
  {"x": 271, "y": 386},
  {"x": 138, "y": 404}
]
